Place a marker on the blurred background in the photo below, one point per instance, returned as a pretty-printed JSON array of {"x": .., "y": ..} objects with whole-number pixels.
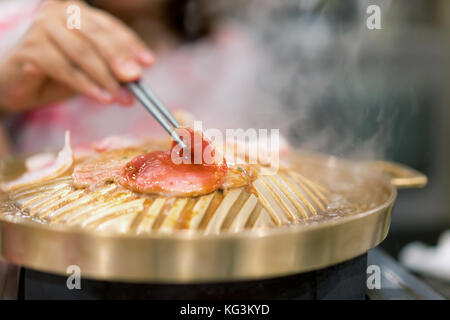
[
  {"x": 361, "y": 93},
  {"x": 337, "y": 87}
]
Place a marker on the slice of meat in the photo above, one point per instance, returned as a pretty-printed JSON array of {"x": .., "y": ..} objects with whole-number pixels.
[
  {"x": 157, "y": 173},
  {"x": 116, "y": 142},
  {"x": 82, "y": 152},
  {"x": 60, "y": 165},
  {"x": 238, "y": 176},
  {"x": 40, "y": 161},
  {"x": 103, "y": 167},
  {"x": 238, "y": 151}
]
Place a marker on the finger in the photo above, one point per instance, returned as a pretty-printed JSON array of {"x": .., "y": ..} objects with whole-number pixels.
[
  {"x": 117, "y": 47},
  {"x": 27, "y": 90},
  {"x": 32, "y": 76},
  {"x": 81, "y": 53},
  {"x": 138, "y": 48},
  {"x": 20, "y": 87},
  {"x": 119, "y": 58},
  {"x": 125, "y": 97},
  {"x": 57, "y": 66}
]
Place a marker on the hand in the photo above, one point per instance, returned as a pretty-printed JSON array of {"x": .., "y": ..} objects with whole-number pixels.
[{"x": 53, "y": 62}]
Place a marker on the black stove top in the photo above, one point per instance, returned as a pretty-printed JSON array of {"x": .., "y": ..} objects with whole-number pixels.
[
  {"x": 343, "y": 281},
  {"x": 347, "y": 280}
]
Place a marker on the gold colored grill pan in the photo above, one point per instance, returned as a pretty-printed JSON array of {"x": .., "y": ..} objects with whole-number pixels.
[
  {"x": 325, "y": 211},
  {"x": 277, "y": 200}
]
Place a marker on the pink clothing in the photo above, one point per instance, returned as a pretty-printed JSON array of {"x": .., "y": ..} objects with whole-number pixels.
[{"x": 206, "y": 78}]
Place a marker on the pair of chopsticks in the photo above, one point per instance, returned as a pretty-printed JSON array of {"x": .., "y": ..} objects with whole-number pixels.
[{"x": 148, "y": 99}]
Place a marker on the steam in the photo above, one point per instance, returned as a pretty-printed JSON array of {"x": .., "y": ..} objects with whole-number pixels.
[{"x": 310, "y": 81}]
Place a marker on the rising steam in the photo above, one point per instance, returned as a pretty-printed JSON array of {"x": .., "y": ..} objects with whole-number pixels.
[{"x": 308, "y": 77}]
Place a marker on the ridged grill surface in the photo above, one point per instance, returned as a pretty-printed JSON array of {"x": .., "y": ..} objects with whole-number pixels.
[{"x": 281, "y": 199}]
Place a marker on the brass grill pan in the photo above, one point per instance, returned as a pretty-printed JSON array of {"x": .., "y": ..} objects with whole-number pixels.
[{"x": 325, "y": 211}]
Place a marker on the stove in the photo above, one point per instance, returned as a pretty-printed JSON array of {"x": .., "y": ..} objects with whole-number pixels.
[{"x": 344, "y": 281}]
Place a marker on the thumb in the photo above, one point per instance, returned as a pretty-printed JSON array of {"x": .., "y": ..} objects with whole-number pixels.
[
  {"x": 32, "y": 74},
  {"x": 28, "y": 82}
]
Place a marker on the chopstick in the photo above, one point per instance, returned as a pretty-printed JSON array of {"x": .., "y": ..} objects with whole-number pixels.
[{"x": 148, "y": 99}]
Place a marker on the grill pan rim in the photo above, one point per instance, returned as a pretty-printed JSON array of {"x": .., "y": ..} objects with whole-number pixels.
[
  {"x": 247, "y": 255},
  {"x": 97, "y": 274}
]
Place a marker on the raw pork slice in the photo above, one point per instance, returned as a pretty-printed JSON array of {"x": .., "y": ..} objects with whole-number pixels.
[
  {"x": 116, "y": 142},
  {"x": 156, "y": 172},
  {"x": 40, "y": 161},
  {"x": 103, "y": 167},
  {"x": 52, "y": 170}
]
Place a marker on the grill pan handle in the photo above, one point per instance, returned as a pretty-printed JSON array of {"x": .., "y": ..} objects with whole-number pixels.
[{"x": 402, "y": 177}]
